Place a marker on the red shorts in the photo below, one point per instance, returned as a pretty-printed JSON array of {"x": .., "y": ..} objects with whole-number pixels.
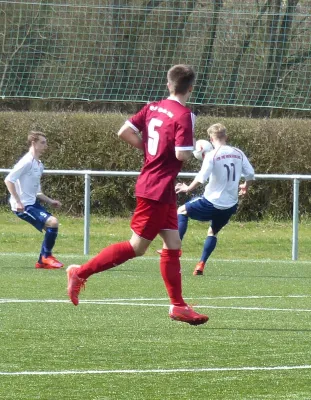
[{"x": 150, "y": 217}]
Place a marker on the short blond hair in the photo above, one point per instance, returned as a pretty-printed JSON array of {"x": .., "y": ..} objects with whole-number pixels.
[
  {"x": 34, "y": 136},
  {"x": 218, "y": 131}
]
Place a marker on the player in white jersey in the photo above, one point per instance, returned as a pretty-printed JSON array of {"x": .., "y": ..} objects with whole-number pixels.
[
  {"x": 23, "y": 183},
  {"x": 223, "y": 168}
]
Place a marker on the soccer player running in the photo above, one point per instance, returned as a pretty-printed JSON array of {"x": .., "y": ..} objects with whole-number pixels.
[
  {"x": 166, "y": 140},
  {"x": 223, "y": 166},
  {"x": 23, "y": 183}
]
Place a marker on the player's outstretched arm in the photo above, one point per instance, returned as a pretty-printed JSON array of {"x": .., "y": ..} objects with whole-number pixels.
[
  {"x": 48, "y": 200},
  {"x": 183, "y": 188}
]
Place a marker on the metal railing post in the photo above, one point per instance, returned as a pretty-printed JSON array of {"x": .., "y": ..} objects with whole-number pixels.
[
  {"x": 295, "y": 219},
  {"x": 87, "y": 212}
]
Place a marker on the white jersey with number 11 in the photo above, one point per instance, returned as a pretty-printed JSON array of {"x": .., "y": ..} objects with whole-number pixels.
[{"x": 224, "y": 167}]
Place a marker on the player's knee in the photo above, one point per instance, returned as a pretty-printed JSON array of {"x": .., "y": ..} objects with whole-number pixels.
[
  {"x": 182, "y": 210},
  {"x": 210, "y": 232},
  {"x": 139, "y": 245},
  {"x": 173, "y": 244},
  {"x": 139, "y": 251},
  {"x": 52, "y": 222},
  {"x": 139, "y": 248},
  {"x": 177, "y": 244}
]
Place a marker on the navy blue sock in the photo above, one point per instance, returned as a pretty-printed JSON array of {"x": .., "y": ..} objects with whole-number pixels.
[
  {"x": 182, "y": 225},
  {"x": 48, "y": 242},
  {"x": 209, "y": 246}
]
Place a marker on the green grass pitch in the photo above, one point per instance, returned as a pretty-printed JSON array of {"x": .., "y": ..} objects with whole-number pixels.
[{"x": 119, "y": 343}]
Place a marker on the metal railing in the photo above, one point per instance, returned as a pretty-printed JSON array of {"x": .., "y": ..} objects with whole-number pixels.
[{"x": 87, "y": 195}]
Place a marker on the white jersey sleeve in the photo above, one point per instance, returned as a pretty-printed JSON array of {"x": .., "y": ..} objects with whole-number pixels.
[
  {"x": 247, "y": 169},
  {"x": 206, "y": 168},
  {"x": 21, "y": 167},
  {"x": 224, "y": 167}
]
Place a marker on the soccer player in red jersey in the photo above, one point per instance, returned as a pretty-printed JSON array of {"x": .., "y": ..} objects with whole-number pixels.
[{"x": 166, "y": 139}]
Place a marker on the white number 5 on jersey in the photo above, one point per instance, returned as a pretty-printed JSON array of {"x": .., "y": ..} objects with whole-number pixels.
[{"x": 153, "y": 136}]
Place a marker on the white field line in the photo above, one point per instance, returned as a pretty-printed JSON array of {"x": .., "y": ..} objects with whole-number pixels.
[
  {"x": 157, "y": 371},
  {"x": 290, "y": 296},
  {"x": 133, "y": 302},
  {"x": 136, "y": 304},
  {"x": 238, "y": 260}
]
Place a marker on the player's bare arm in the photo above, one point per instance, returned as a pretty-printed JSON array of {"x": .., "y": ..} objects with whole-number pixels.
[
  {"x": 48, "y": 200},
  {"x": 128, "y": 135},
  {"x": 183, "y": 188},
  {"x": 183, "y": 155},
  {"x": 244, "y": 187}
]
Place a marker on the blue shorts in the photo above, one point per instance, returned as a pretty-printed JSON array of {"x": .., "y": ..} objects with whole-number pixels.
[
  {"x": 35, "y": 214},
  {"x": 201, "y": 209}
]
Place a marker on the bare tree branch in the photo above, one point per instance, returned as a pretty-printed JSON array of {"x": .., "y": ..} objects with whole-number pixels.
[
  {"x": 18, "y": 45},
  {"x": 243, "y": 48}
]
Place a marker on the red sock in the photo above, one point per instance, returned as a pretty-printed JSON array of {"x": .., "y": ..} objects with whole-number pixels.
[
  {"x": 109, "y": 257},
  {"x": 171, "y": 274}
]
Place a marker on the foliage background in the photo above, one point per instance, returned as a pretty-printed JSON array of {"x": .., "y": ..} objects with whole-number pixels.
[{"x": 89, "y": 141}]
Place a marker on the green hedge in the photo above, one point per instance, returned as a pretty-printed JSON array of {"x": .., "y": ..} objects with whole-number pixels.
[{"x": 89, "y": 141}]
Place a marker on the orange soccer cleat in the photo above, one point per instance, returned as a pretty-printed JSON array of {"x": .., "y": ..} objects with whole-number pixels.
[
  {"x": 49, "y": 262},
  {"x": 199, "y": 268},
  {"x": 187, "y": 314},
  {"x": 75, "y": 284}
]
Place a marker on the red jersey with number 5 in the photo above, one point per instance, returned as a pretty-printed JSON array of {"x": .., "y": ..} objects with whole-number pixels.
[{"x": 166, "y": 126}]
